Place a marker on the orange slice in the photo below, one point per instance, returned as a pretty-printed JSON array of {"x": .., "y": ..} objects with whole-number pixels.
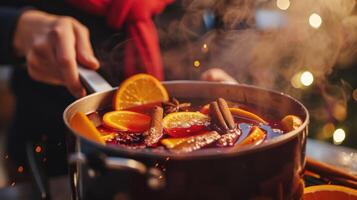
[
  {"x": 139, "y": 90},
  {"x": 205, "y": 109},
  {"x": 247, "y": 114},
  {"x": 173, "y": 142},
  {"x": 181, "y": 124},
  {"x": 329, "y": 192},
  {"x": 82, "y": 124},
  {"x": 127, "y": 121},
  {"x": 291, "y": 122},
  {"x": 256, "y": 136}
]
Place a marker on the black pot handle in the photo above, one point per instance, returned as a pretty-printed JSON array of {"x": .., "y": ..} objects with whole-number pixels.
[{"x": 155, "y": 178}]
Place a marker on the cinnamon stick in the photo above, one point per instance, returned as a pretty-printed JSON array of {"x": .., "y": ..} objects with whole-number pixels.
[
  {"x": 154, "y": 133},
  {"x": 345, "y": 182},
  {"x": 222, "y": 117},
  {"x": 227, "y": 115},
  {"x": 327, "y": 170},
  {"x": 217, "y": 116},
  {"x": 331, "y": 179}
]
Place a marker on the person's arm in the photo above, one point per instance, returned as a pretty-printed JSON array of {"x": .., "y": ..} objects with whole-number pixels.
[
  {"x": 8, "y": 20},
  {"x": 52, "y": 46}
]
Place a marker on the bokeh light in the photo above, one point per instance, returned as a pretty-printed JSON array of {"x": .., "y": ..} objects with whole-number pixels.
[
  {"x": 196, "y": 63},
  {"x": 306, "y": 78},
  {"x": 38, "y": 149},
  {"x": 339, "y": 136},
  {"x": 204, "y": 48},
  {"x": 295, "y": 81},
  {"x": 327, "y": 131},
  {"x": 354, "y": 94},
  {"x": 283, "y": 4},
  {"x": 315, "y": 20},
  {"x": 339, "y": 110},
  {"x": 20, "y": 169}
]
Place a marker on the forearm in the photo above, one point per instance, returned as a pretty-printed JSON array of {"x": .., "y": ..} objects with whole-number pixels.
[{"x": 8, "y": 20}]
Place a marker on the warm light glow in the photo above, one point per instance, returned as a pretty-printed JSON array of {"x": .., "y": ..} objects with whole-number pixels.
[
  {"x": 339, "y": 136},
  {"x": 204, "y": 48},
  {"x": 354, "y": 94},
  {"x": 283, "y": 4},
  {"x": 20, "y": 169},
  {"x": 196, "y": 63},
  {"x": 295, "y": 81},
  {"x": 38, "y": 149},
  {"x": 327, "y": 130},
  {"x": 306, "y": 78},
  {"x": 339, "y": 110},
  {"x": 315, "y": 20},
  {"x": 13, "y": 184}
]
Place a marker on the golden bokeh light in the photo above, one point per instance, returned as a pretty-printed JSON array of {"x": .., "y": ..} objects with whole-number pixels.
[
  {"x": 283, "y": 4},
  {"x": 339, "y": 111},
  {"x": 354, "y": 94},
  {"x": 315, "y": 20},
  {"x": 295, "y": 81},
  {"x": 339, "y": 136},
  {"x": 204, "y": 48},
  {"x": 196, "y": 63},
  {"x": 306, "y": 78},
  {"x": 327, "y": 131}
]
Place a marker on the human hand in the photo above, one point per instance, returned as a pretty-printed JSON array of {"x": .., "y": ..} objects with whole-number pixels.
[
  {"x": 53, "y": 47},
  {"x": 217, "y": 75}
]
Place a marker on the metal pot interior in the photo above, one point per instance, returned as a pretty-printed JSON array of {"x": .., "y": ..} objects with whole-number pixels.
[{"x": 267, "y": 101}]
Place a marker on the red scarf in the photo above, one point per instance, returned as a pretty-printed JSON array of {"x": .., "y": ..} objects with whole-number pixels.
[{"x": 142, "y": 52}]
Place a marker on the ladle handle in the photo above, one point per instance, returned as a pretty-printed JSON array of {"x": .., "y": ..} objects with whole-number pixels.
[{"x": 93, "y": 81}]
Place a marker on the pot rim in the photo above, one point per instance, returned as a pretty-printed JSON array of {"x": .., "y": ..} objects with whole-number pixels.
[{"x": 207, "y": 153}]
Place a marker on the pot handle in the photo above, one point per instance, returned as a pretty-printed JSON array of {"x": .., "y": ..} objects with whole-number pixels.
[
  {"x": 155, "y": 177},
  {"x": 93, "y": 81}
]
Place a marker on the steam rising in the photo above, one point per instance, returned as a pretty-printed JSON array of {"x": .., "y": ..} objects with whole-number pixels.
[{"x": 264, "y": 43}]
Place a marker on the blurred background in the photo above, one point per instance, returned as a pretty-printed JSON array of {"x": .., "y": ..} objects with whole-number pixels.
[{"x": 303, "y": 48}]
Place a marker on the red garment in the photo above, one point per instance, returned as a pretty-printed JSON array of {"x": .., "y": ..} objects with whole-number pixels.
[{"x": 143, "y": 48}]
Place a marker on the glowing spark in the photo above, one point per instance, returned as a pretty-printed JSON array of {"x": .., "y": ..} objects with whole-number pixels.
[
  {"x": 306, "y": 78},
  {"x": 354, "y": 94},
  {"x": 38, "y": 149},
  {"x": 204, "y": 48},
  {"x": 13, "y": 184},
  {"x": 20, "y": 169},
  {"x": 339, "y": 136},
  {"x": 315, "y": 20},
  {"x": 196, "y": 63},
  {"x": 283, "y": 4}
]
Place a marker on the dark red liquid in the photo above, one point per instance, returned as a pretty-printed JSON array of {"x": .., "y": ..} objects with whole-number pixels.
[{"x": 244, "y": 125}]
